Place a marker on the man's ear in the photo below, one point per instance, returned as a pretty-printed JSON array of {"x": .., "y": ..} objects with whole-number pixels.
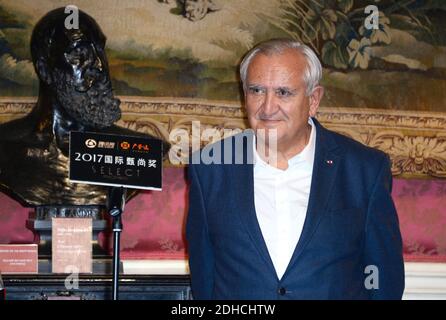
[
  {"x": 42, "y": 71},
  {"x": 315, "y": 99}
]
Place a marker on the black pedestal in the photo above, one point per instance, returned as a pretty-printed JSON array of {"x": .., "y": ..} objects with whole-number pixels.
[{"x": 96, "y": 287}]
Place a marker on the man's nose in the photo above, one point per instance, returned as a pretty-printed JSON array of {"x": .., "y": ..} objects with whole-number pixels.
[{"x": 269, "y": 103}]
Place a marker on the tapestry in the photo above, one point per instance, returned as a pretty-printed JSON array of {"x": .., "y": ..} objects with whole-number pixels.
[{"x": 184, "y": 48}]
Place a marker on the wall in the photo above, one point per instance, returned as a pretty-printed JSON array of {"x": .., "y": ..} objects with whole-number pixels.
[{"x": 154, "y": 221}]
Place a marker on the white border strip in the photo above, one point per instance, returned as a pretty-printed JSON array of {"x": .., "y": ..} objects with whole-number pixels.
[
  {"x": 425, "y": 281},
  {"x": 178, "y": 267}
]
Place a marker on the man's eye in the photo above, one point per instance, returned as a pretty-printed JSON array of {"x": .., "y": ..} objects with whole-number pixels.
[
  {"x": 283, "y": 93},
  {"x": 255, "y": 90}
]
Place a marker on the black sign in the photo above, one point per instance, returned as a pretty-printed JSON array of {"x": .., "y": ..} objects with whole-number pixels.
[{"x": 113, "y": 160}]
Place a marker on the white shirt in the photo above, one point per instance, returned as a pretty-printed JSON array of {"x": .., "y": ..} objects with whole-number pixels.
[{"x": 281, "y": 201}]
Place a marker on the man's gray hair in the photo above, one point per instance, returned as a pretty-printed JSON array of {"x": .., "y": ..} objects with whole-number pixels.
[{"x": 313, "y": 72}]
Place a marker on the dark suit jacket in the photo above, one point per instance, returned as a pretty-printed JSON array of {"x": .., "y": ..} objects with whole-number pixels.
[{"x": 351, "y": 223}]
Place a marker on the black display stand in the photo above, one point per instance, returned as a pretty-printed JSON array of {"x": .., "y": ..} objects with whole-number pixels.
[
  {"x": 116, "y": 204},
  {"x": 97, "y": 287}
]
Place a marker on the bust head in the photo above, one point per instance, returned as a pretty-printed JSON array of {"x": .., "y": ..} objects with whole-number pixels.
[
  {"x": 73, "y": 68},
  {"x": 75, "y": 94}
]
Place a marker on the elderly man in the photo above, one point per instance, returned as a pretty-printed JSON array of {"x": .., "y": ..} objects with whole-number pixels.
[{"x": 318, "y": 222}]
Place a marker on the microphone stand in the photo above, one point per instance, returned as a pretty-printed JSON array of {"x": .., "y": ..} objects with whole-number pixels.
[{"x": 116, "y": 203}]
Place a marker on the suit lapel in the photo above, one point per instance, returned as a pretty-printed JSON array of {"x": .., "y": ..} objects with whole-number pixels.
[
  {"x": 325, "y": 167},
  {"x": 244, "y": 174}
]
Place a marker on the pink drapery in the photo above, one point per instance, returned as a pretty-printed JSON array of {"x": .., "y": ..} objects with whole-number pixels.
[{"x": 154, "y": 221}]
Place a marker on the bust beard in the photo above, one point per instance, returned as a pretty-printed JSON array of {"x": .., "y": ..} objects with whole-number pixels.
[{"x": 96, "y": 107}]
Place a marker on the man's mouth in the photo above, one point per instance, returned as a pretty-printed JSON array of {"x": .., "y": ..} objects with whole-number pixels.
[{"x": 270, "y": 120}]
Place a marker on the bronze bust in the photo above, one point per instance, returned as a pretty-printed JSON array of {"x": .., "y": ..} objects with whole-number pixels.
[{"x": 75, "y": 93}]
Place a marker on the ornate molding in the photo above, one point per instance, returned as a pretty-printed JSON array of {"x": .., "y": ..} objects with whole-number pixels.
[{"x": 416, "y": 141}]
